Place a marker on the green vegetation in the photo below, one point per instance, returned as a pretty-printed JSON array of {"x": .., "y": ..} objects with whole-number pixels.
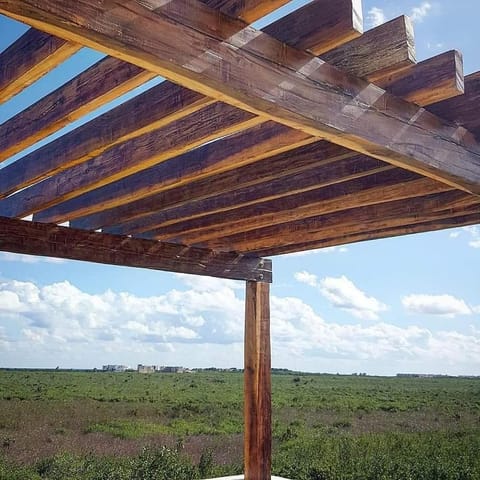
[{"x": 100, "y": 426}]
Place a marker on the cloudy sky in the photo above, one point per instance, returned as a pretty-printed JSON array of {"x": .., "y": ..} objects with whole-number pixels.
[{"x": 398, "y": 305}]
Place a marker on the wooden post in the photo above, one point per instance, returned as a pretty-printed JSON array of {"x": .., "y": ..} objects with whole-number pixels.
[{"x": 257, "y": 382}]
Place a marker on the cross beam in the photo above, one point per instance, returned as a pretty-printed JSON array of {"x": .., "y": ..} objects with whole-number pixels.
[
  {"x": 199, "y": 48},
  {"x": 33, "y": 238}
]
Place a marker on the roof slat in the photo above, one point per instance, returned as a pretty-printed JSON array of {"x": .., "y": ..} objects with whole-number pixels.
[
  {"x": 348, "y": 222},
  {"x": 32, "y": 56},
  {"x": 459, "y": 220},
  {"x": 258, "y": 82},
  {"x": 263, "y": 187},
  {"x": 113, "y": 128},
  {"x": 370, "y": 190},
  {"x": 244, "y": 148},
  {"x": 128, "y": 158},
  {"x": 415, "y": 90}
]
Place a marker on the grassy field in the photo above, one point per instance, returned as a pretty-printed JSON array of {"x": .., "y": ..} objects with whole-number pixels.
[{"x": 99, "y": 426}]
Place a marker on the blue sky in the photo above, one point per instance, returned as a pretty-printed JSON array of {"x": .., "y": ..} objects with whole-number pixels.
[{"x": 410, "y": 304}]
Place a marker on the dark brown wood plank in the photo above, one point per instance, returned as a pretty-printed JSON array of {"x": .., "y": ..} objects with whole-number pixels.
[
  {"x": 149, "y": 111},
  {"x": 346, "y": 222},
  {"x": 105, "y": 81},
  {"x": 112, "y": 128},
  {"x": 320, "y": 26},
  {"x": 261, "y": 188},
  {"x": 128, "y": 158},
  {"x": 431, "y": 81},
  {"x": 257, "y": 383},
  {"x": 264, "y": 77},
  {"x": 403, "y": 80},
  {"x": 101, "y": 83},
  {"x": 247, "y": 10},
  {"x": 463, "y": 110},
  {"x": 31, "y": 238},
  {"x": 244, "y": 148},
  {"x": 33, "y": 55},
  {"x": 379, "y": 52},
  {"x": 409, "y": 229},
  {"x": 369, "y": 190}
]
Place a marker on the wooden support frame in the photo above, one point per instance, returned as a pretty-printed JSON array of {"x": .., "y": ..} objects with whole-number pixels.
[
  {"x": 284, "y": 84},
  {"x": 32, "y": 238},
  {"x": 257, "y": 383}
]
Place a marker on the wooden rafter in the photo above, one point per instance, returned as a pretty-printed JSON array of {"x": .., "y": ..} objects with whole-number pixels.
[
  {"x": 112, "y": 195},
  {"x": 284, "y": 84},
  {"x": 33, "y": 55},
  {"x": 32, "y": 238}
]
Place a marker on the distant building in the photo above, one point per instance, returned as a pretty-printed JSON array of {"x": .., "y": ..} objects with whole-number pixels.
[
  {"x": 146, "y": 368},
  {"x": 114, "y": 368},
  {"x": 172, "y": 369}
]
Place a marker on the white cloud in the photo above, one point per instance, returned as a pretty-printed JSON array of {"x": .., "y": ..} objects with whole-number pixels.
[
  {"x": 344, "y": 294},
  {"x": 445, "y": 305},
  {"x": 20, "y": 257},
  {"x": 474, "y": 232},
  {"x": 375, "y": 17},
  {"x": 419, "y": 13},
  {"x": 59, "y": 324},
  {"x": 306, "y": 277}
]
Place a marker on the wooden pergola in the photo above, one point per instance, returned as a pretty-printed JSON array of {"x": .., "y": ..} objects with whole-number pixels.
[{"x": 303, "y": 135}]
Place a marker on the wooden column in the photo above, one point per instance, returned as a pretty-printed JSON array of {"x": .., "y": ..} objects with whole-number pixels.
[{"x": 257, "y": 382}]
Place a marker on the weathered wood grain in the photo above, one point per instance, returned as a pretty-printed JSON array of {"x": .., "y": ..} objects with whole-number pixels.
[
  {"x": 329, "y": 171},
  {"x": 431, "y": 81},
  {"x": 97, "y": 201},
  {"x": 409, "y": 229},
  {"x": 31, "y": 238},
  {"x": 320, "y": 26},
  {"x": 463, "y": 110},
  {"x": 247, "y": 147},
  {"x": 415, "y": 91},
  {"x": 257, "y": 383},
  {"x": 101, "y": 83},
  {"x": 130, "y": 157},
  {"x": 111, "y": 128},
  {"x": 346, "y": 222},
  {"x": 95, "y": 87},
  {"x": 385, "y": 49},
  {"x": 33, "y": 55},
  {"x": 256, "y": 73},
  {"x": 151, "y": 110},
  {"x": 369, "y": 190}
]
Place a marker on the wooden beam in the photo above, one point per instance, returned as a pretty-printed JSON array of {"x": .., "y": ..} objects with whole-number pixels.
[
  {"x": 247, "y": 147},
  {"x": 95, "y": 87},
  {"x": 430, "y": 81},
  {"x": 379, "y": 52},
  {"x": 127, "y": 159},
  {"x": 33, "y": 55},
  {"x": 133, "y": 118},
  {"x": 320, "y": 26},
  {"x": 101, "y": 83},
  {"x": 264, "y": 77},
  {"x": 151, "y": 110},
  {"x": 346, "y": 222},
  {"x": 404, "y": 80},
  {"x": 262, "y": 188},
  {"x": 32, "y": 238},
  {"x": 408, "y": 229},
  {"x": 369, "y": 190},
  {"x": 257, "y": 383},
  {"x": 463, "y": 110}
]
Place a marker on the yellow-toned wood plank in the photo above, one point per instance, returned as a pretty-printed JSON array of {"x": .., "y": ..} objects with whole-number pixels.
[{"x": 33, "y": 55}]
